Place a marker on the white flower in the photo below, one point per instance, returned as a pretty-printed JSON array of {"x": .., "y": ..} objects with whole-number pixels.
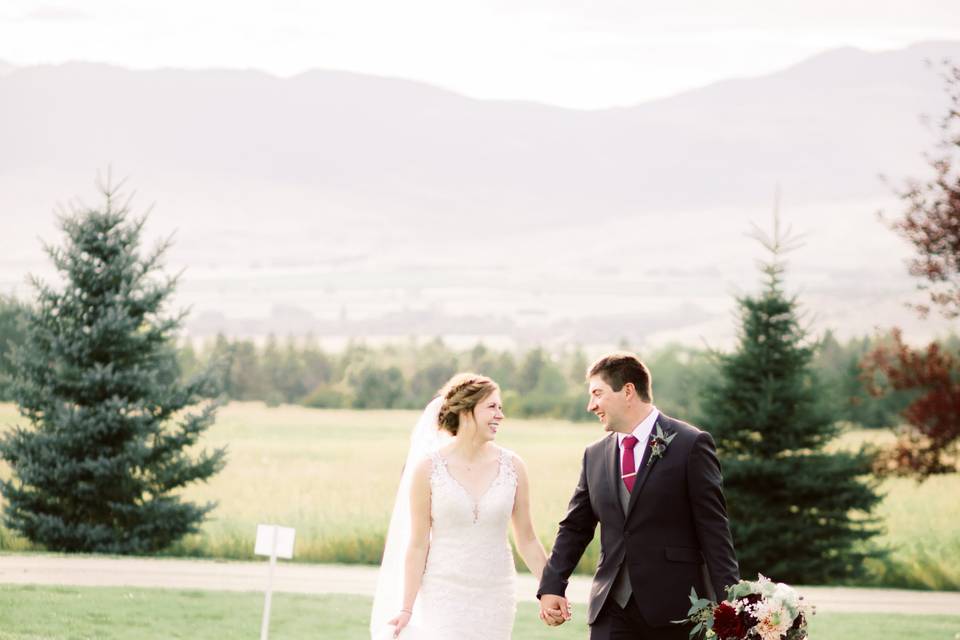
[
  {"x": 788, "y": 597},
  {"x": 773, "y": 620},
  {"x": 764, "y": 586}
]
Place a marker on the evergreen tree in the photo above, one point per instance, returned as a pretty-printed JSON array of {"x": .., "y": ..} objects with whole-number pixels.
[
  {"x": 376, "y": 388},
  {"x": 272, "y": 367},
  {"x": 291, "y": 376},
  {"x": 531, "y": 368},
  {"x": 218, "y": 356},
  {"x": 247, "y": 380},
  {"x": 577, "y": 369},
  {"x": 317, "y": 364},
  {"x": 427, "y": 380},
  {"x": 499, "y": 365},
  {"x": 798, "y": 513},
  {"x": 12, "y": 314},
  {"x": 111, "y": 423},
  {"x": 189, "y": 361}
]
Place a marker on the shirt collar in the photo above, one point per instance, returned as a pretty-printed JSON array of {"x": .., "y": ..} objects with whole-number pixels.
[{"x": 643, "y": 430}]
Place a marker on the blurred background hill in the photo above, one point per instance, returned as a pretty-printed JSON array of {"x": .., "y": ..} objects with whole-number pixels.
[{"x": 347, "y": 205}]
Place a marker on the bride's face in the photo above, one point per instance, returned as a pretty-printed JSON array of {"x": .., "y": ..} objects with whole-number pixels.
[{"x": 487, "y": 416}]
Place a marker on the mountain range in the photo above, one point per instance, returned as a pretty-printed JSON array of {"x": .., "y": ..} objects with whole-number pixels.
[{"x": 344, "y": 204}]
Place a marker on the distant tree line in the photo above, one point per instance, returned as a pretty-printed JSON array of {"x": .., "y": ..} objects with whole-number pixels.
[{"x": 535, "y": 382}]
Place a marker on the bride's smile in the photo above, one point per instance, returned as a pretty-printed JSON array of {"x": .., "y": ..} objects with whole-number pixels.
[{"x": 487, "y": 416}]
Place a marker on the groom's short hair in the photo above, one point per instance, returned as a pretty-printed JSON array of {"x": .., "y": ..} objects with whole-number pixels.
[{"x": 621, "y": 367}]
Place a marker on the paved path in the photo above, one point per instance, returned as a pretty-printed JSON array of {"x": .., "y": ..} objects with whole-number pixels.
[{"x": 360, "y": 580}]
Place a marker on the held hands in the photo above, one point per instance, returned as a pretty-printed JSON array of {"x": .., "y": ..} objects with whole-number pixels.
[
  {"x": 554, "y": 610},
  {"x": 401, "y": 620}
]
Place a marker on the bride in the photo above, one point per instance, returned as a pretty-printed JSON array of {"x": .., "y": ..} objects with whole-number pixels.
[{"x": 448, "y": 570}]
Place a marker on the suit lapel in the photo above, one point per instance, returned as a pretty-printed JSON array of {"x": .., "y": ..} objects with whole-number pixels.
[{"x": 648, "y": 465}]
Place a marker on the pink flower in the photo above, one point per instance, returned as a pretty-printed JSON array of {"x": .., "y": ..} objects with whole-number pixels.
[{"x": 772, "y": 621}]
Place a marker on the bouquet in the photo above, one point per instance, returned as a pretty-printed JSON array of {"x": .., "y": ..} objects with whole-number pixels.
[{"x": 761, "y": 610}]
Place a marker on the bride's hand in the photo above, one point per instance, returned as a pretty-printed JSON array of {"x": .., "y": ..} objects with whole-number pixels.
[{"x": 400, "y": 621}]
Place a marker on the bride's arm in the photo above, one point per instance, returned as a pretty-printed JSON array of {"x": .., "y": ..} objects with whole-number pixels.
[
  {"x": 528, "y": 544},
  {"x": 416, "y": 558}
]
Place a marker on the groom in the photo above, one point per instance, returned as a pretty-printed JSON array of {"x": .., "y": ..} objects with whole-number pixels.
[{"x": 654, "y": 485}]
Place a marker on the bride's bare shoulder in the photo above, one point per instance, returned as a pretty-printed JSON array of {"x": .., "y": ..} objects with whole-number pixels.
[
  {"x": 508, "y": 454},
  {"x": 513, "y": 458},
  {"x": 423, "y": 467}
]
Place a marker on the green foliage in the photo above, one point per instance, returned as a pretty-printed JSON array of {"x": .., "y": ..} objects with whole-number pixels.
[
  {"x": 402, "y": 376},
  {"x": 325, "y": 397},
  {"x": 679, "y": 375},
  {"x": 544, "y": 384},
  {"x": 110, "y": 422},
  {"x": 12, "y": 319},
  {"x": 798, "y": 514},
  {"x": 377, "y": 388},
  {"x": 839, "y": 370},
  {"x": 700, "y": 614}
]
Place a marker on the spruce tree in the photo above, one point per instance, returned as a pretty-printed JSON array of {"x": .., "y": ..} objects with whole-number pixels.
[
  {"x": 798, "y": 512},
  {"x": 112, "y": 428},
  {"x": 12, "y": 313}
]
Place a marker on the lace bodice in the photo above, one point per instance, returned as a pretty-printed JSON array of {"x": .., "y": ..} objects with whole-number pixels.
[
  {"x": 449, "y": 497},
  {"x": 469, "y": 574}
]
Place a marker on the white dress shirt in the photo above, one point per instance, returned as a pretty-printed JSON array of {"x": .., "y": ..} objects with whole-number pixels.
[{"x": 642, "y": 433}]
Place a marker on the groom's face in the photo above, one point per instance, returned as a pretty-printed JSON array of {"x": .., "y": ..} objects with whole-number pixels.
[{"x": 606, "y": 404}]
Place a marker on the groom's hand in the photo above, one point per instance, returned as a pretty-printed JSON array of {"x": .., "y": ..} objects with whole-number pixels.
[{"x": 554, "y": 610}]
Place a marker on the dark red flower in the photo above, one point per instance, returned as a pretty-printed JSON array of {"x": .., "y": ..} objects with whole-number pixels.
[{"x": 727, "y": 624}]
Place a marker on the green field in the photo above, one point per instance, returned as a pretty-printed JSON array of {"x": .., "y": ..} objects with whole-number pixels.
[
  {"x": 68, "y": 613},
  {"x": 333, "y": 474}
]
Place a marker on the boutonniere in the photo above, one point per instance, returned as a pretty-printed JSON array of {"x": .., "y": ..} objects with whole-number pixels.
[{"x": 658, "y": 445}]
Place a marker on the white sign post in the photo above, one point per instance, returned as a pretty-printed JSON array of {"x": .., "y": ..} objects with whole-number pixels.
[{"x": 276, "y": 542}]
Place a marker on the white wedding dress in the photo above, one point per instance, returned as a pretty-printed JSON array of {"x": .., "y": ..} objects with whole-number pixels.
[
  {"x": 468, "y": 591},
  {"x": 469, "y": 583}
]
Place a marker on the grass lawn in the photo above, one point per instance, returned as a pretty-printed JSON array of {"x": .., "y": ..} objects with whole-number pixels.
[
  {"x": 66, "y": 613},
  {"x": 316, "y": 470}
]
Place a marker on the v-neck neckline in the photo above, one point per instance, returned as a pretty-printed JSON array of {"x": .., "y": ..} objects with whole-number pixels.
[{"x": 476, "y": 501}]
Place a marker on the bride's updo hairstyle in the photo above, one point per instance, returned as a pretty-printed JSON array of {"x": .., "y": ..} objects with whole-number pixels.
[{"x": 463, "y": 392}]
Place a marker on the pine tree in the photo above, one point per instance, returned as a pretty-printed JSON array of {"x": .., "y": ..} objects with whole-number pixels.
[
  {"x": 798, "y": 513},
  {"x": 12, "y": 313},
  {"x": 111, "y": 424}
]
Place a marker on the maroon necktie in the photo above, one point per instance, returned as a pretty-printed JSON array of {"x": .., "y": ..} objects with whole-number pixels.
[{"x": 629, "y": 467}]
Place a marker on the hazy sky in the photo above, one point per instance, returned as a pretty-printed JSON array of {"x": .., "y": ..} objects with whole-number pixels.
[{"x": 578, "y": 54}]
